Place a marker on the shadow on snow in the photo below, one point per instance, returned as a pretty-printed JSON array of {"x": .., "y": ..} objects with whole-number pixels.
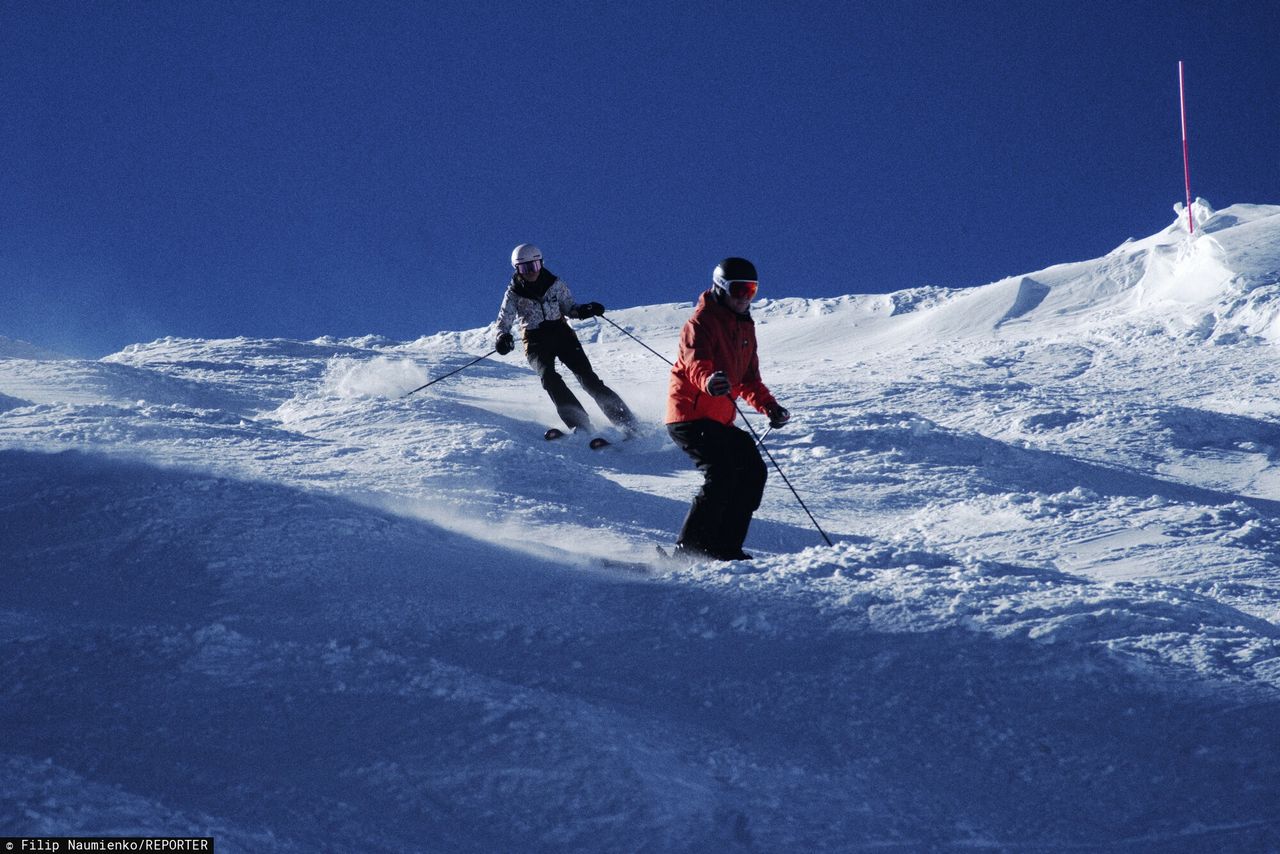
[{"x": 338, "y": 677}]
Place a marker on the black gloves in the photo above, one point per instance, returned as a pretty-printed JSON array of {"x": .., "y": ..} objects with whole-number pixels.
[
  {"x": 505, "y": 344},
  {"x": 718, "y": 384},
  {"x": 587, "y": 309}
]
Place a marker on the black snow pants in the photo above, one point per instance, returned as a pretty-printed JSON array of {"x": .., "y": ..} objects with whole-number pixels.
[
  {"x": 556, "y": 340},
  {"x": 733, "y": 482}
]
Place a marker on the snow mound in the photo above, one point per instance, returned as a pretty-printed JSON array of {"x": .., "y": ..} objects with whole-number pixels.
[
  {"x": 1222, "y": 281},
  {"x": 7, "y": 402}
]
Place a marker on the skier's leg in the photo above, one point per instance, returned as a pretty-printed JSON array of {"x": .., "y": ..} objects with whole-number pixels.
[
  {"x": 542, "y": 357},
  {"x": 711, "y": 447},
  {"x": 575, "y": 359},
  {"x": 705, "y": 513},
  {"x": 750, "y": 474}
]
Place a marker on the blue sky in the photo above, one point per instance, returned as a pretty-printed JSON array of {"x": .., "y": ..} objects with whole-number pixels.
[{"x": 305, "y": 169}]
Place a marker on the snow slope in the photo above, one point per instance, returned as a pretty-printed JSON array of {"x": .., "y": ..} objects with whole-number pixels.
[{"x": 253, "y": 592}]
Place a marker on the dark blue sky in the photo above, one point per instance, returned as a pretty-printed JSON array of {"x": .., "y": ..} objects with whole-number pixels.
[{"x": 301, "y": 169}]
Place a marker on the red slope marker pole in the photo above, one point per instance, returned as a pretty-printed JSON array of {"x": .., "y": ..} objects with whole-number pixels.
[{"x": 1186, "y": 158}]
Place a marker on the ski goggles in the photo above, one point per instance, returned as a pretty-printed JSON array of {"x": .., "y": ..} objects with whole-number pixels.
[
  {"x": 741, "y": 288},
  {"x": 525, "y": 268}
]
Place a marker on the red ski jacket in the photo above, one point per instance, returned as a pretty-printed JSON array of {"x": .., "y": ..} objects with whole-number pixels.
[{"x": 715, "y": 338}]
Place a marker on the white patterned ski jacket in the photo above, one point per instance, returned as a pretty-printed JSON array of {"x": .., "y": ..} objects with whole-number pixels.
[{"x": 532, "y": 304}]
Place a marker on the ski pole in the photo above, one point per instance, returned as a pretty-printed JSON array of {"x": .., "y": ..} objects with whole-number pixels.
[
  {"x": 760, "y": 442},
  {"x": 638, "y": 341},
  {"x": 451, "y": 373}
]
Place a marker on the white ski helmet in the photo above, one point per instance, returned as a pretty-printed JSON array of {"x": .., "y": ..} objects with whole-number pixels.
[{"x": 524, "y": 253}]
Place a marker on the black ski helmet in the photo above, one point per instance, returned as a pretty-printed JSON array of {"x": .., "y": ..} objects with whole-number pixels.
[{"x": 733, "y": 270}]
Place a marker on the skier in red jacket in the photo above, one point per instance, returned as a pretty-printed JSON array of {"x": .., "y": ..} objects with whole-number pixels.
[{"x": 716, "y": 365}]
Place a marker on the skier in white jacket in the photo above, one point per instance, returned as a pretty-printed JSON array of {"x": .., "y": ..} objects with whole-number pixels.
[{"x": 540, "y": 302}]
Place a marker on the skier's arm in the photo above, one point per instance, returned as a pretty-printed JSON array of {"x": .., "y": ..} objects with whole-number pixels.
[
  {"x": 506, "y": 313},
  {"x": 753, "y": 389},
  {"x": 576, "y": 310},
  {"x": 697, "y": 346}
]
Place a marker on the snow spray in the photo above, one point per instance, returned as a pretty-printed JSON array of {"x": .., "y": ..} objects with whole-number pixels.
[
  {"x": 451, "y": 373},
  {"x": 360, "y": 378},
  {"x": 1186, "y": 159}
]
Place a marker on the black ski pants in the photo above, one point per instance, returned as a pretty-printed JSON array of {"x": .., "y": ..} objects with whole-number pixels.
[
  {"x": 733, "y": 483},
  {"x": 556, "y": 340}
]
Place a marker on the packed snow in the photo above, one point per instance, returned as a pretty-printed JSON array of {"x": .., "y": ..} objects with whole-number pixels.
[{"x": 253, "y": 591}]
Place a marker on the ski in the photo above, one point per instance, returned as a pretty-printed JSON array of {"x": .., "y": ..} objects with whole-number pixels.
[
  {"x": 595, "y": 444},
  {"x": 671, "y": 558},
  {"x": 661, "y": 560},
  {"x": 639, "y": 567},
  {"x": 677, "y": 557}
]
